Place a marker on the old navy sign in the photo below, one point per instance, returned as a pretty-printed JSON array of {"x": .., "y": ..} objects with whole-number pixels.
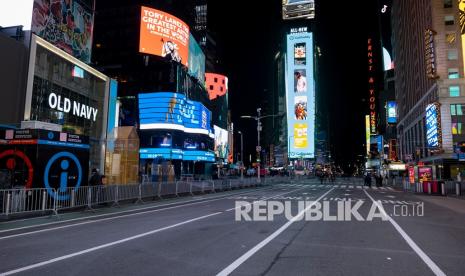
[{"x": 77, "y": 109}]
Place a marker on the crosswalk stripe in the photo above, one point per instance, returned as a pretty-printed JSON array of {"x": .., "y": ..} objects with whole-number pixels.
[
  {"x": 351, "y": 187},
  {"x": 359, "y": 187},
  {"x": 389, "y": 188},
  {"x": 374, "y": 188},
  {"x": 382, "y": 188}
]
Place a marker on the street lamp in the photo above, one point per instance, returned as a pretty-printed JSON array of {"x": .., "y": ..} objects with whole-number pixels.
[
  {"x": 259, "y": 129},
  {"x": 242, "y": 155}
]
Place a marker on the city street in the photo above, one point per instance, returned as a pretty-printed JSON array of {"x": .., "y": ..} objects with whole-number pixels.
[{"x": 200, "y": 236}]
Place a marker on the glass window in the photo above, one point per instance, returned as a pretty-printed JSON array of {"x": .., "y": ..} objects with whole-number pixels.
[
  {"x": 449, "y": 20},
  {"x": 453, "y": 73},
  {"x": 450, "y": 38},
  {"x": 457, "y": 122},
  {"x": 452, "y": 54},
  {"x": 216, "y": 80},
  {"x": 447, "y": 3},
  {"x": 211, "y": 87},
  {"x": 454, "y": 91}
]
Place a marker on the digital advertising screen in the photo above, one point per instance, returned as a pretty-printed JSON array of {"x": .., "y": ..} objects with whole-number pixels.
[
  {"x": 168, "y": 110},
  {"x": 176, "y": 154},
  {"x": 391, "y": 109},
  {"x": 433, "y": 126},
  {"x": 66, "y": 24},
  {"x": 294, "y": 9},
  {"x": 196, "y": 63},
  {"x": 221, "y": 142},
  {"x": 216, "y": 84},
  {"x": 300, "y": 95},
  {"x": 163, "y": 34}
]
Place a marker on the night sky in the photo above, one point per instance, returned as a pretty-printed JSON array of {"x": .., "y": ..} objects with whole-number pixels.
[{"x": 249, "y": 36}]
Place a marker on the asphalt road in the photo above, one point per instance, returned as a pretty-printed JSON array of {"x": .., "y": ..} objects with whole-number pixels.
[{"x": 201, "y": 236}]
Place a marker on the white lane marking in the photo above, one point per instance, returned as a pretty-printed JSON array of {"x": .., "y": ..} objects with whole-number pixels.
[
  {"x": 111, "y": 218},
  {"x": 54, "y": 260},
  {"x": 427, "y": 260},
  {"x": 263, "y": 199},
  {"x": 229, "y": 269}
]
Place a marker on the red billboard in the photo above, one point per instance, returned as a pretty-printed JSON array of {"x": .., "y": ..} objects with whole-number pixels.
[{"x": 163, "y": 35}]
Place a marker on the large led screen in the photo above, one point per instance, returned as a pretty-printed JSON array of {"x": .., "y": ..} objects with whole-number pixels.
[
  {"x": 433, "y": 126},
  {"x": 163, "y": 35},
  {"x": 221, "y": 142},
  {"x": 168, "y": 110},
  {"x": 294, "y": 9},
  {"x": 196, "y": 64},
  {"x": 66, "y": 24},
  {"x": 391, "y": 109},
  {"x": 300, "y": 95}
]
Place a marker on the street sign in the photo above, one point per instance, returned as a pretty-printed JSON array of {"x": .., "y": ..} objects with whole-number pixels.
[{"x": 258, "y": 148}]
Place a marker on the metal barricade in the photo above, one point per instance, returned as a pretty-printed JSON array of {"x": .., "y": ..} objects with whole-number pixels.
[
  {"x": 27, "y": 201},
  {"x": 167, "y": 188}
]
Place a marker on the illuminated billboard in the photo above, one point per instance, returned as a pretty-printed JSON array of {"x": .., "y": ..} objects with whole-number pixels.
[
  {"x": 66, "y": 24},
  {"x": 163, "y": 35},
  {"x": 293, "y": 9},
  {"x": 433, "y": 126},
  {"x": 216, "y": 84},
  {"x": 176, "y": 154},
  {"x": 168, "y": 110},
  {"x": 300, "y": 95},
  {"x": 221, "y": 142},
  {"x": 391, "y": 110},
  {"x": 196, "y": 63}
]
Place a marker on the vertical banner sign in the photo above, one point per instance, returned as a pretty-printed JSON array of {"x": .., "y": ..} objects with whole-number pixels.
[
  {"x": 371, "y": 87},
  {"x": 300, "y": 95},
  {"x": 430, "y": 56},
  {"x": 433, "y": 126},
  {"x": 367, "y": 133}
]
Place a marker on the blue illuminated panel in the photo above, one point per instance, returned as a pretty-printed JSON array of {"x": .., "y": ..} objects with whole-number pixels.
[
  {"x": 176, "y": 154},
  {"x": 167, "y": 110},
  {"x": 300, "y": 95}
]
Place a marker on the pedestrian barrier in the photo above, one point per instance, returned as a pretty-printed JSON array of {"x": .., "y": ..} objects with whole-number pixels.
[{"x": 40, "y": 201}]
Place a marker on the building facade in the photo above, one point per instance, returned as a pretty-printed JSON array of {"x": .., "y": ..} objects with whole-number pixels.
[{"x": 429, "y": 70}]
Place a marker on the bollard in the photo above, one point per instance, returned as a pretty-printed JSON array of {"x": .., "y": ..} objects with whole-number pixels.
[
  {"x": 190, "y": 188},
  {"x": 89, "y": 198},
  {"x": 429, "y": 188},
  {"x": 44, "y": 198},
  {"x": 73, "y": 197},
  {"x": 443, "y": 188},
  {"x": 457, "y": 188},
  {"x": 176, "y": 188},
  {"x": 8, "y": 202}
]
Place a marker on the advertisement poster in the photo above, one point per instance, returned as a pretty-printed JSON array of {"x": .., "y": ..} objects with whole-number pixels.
[
  {"x": 164, "y": 35},
  {"x": 300, "y": 136},
  {"x": 433, "y": 126},
  {"x": 221, "y": 142},
  {"x": 294, "y": 9},
  {"x": 391, "y": 112},
  {"x": 300, "y": 94},
  {"x": 425, "y": 174},
  {"x": 411, "y": 175},
  {"x": 66, "y": 24}
]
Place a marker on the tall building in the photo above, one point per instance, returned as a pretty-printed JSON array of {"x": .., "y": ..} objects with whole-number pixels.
[
  {"x": 428, "y": 50},
  {"x": 161, "y": 75}
]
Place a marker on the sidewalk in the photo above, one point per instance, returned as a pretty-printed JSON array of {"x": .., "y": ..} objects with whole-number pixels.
[{"x": 456, "y": 204}]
